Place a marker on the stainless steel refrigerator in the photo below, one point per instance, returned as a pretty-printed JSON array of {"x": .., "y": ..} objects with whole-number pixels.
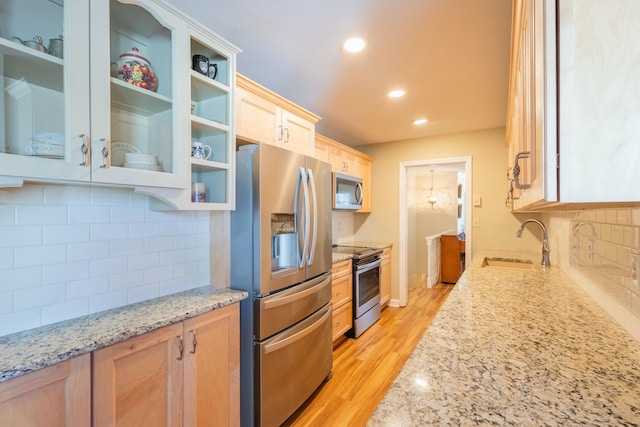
[{"x": 281, "y": 255}]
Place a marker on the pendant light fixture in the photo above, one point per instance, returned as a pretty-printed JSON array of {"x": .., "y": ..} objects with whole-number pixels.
[{"x": 431, "y": 198}]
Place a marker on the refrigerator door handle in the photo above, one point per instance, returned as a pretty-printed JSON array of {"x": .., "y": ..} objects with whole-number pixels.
[
  {"x": 314, "y": 204},
  {"x": 299, "y": 331},
  {"x": 301, "y": 181}
]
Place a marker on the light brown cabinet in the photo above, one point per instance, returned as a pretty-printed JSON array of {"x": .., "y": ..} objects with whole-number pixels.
[
  {"x": 346, "y": 160},
  {"x": 451, "y": 258},
  {"x": 183, "y": 374},
  {"x": 572, "y": 95},
  {"x": 59, "y": 395},
  {"x": 263, "y": 116},
  {"x": 341, "y": 298},
  {"x": 385, "y": 277}
]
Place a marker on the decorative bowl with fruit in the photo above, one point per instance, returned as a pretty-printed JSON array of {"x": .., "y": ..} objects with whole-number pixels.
[{"x": 135, "y": 69}]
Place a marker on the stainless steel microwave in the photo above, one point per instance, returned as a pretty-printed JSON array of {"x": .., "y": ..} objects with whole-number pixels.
[{"x": 347, "y": 192}]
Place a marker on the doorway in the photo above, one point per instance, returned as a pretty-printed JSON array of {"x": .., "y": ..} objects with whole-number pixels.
[{"x": 435, "y": 197}]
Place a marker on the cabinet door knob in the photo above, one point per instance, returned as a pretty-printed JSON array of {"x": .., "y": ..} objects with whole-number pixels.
[
  {"x": 180, "y": 347},
  {"x": 105, "y": 153},
  {"x": 84, "y": 149},
  {"x": 194, "y": 342}
]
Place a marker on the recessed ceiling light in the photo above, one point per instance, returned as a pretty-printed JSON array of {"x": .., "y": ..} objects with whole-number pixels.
[
  {"x": 396, "y": 93},
  {"x": 354, "y": 44},
  {"x": 420, "y": 121}
]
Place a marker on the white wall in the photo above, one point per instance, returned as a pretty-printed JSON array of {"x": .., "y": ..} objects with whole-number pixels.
[{"x": 68, "y": 251}]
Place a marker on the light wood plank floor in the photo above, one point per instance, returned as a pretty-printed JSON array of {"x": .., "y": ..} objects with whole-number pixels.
[{"x": 363, "y": 369}]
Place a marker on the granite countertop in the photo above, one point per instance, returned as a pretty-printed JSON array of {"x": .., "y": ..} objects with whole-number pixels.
[
  {"x": 513, "y": 347},
  {"x": 337, "y": 257},
  {"x": 38, "y": 348}
]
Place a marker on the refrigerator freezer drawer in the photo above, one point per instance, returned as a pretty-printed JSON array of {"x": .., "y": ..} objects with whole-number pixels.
[
  {"x": 291, "y": 366},
  {"x": 283, "y": 309}
]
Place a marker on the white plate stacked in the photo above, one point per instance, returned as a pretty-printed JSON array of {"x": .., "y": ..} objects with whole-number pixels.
[{"x": 142, "y": 161}]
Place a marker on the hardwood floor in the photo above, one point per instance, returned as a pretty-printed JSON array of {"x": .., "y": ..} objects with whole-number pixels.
[{"x": 364, "y": 368}]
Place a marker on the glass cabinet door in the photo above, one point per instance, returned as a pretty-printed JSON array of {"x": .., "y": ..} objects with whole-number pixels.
[
  {"x": 44, "y": 104},
  {"x": 135, "y": 49}
]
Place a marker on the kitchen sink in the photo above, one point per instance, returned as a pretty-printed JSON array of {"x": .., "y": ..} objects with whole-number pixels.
[{"x": 508, "y": 263}]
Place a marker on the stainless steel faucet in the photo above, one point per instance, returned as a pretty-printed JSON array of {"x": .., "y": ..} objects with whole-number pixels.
[{"x": 545, "y": 240}]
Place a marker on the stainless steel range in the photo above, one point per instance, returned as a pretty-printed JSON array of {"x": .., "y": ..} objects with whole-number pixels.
[{"x": 366, "y": 287}]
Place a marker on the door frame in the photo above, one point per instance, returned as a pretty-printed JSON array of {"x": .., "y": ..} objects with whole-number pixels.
[{"x": 402, "y": 252}]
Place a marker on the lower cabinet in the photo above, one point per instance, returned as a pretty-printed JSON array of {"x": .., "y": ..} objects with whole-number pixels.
[
  {"x": 341, "y": 297},
  {"x": 451, "y": 258},
  {"x": 182, "y": 374},
  {"x": 185, "y": 374},
  {"x": 59, "y": 395},
  {"x": 385, "y": 277}
]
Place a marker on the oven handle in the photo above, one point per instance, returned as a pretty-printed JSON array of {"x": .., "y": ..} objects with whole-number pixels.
[
  {"x": 368, "y": 266},
  {"x": 292, "y": 295},
  {"x": 288, "y": 337}
]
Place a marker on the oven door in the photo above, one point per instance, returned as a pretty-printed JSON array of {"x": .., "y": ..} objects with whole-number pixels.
[
  {"x": 291, "y": 365},
  {"x": 366, "y": 279}
]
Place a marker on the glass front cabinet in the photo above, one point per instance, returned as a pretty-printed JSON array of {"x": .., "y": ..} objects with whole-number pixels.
[{"x": 112, "y": 92}]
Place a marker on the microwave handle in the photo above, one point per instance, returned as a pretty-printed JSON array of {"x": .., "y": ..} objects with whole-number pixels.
[{"x": 359, "y": 193}]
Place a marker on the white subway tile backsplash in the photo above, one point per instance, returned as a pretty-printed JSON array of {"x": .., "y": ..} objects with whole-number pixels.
[
  {"x": 22, "y": 320},
  {"x": 87, "y": 250},
  {"x": 57, "y": 273},
  {"x": 107, "y": 301},
  {"x": 109, "y": 231},
  {"x": 157, "y": 275},
  {"x": 34, "y": 214},
  {"x": 7, "y": 215},
  {"x": 20, "y": 235},
  {"x": 20, "y": 278},
  {"x": 108, "y": 266},
  {"x": 66, "y": 251},
  {"x": 143, "y": 261},
  {"x": 87, "y": 287},
  {"x": 158, "y": 244},
  {"x": 6, "y": 259},
  {"x": 28, "y": 256},
  {"x": 66, "y": 195},
  {"x": 109, "y": 196},
  {"x": 29, "y": 194},
  {"x": 617, "y": 235},
  {"x": 39, "y": 296},
  {"x": 89, "y": 214},
  {"x": 6, "y": 302},
  {"x": 125, "y": 280},
  {"x": 143, "y": 229},
  {"x": 126, "y": 247},
  {"x": 65, "y": 310},
  {"x": 66, "y": 233},
  {"x": 142, "y": 293},
  {"x": 127, "y": 214}
]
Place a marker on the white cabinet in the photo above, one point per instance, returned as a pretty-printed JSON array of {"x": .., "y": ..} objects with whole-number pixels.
[
  {"x": 263, "y": 116},
  {"x": 573, "y": 97},
  {"x": 77, "y": 118}
]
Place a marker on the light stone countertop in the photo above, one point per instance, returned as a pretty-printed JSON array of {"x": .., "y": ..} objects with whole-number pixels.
[
  {"x": 512, "y": 347},
  {"x": 38, "y": 348},
  {"x": 337, "y": 257}
]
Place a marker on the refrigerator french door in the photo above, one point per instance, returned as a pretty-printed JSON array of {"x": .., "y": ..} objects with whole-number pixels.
[{"x": 281, "y": 255}]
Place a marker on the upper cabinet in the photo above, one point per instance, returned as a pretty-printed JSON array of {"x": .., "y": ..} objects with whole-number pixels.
[
  {"x": 263, "y": 116},
  {"x": 573, "y": 97},
  {"x": 107, "y": 94},
  {"x": 346, "y": 160}
]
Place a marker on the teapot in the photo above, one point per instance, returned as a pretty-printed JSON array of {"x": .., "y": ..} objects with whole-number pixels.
[
  {"x": 36, "y": 43},
  {"x": 135, "y": 69},
  {"x": 55, "y": 47}
]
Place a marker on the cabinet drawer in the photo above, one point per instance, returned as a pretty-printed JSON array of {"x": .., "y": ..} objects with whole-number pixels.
[
  {"x": 341, "y": 291},
  {"x": 341, "y": 320},
  {"x": 340, "y": 269}
]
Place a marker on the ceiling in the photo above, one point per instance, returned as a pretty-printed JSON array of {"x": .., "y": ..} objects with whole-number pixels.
[{"x": 450, "y": 56}]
